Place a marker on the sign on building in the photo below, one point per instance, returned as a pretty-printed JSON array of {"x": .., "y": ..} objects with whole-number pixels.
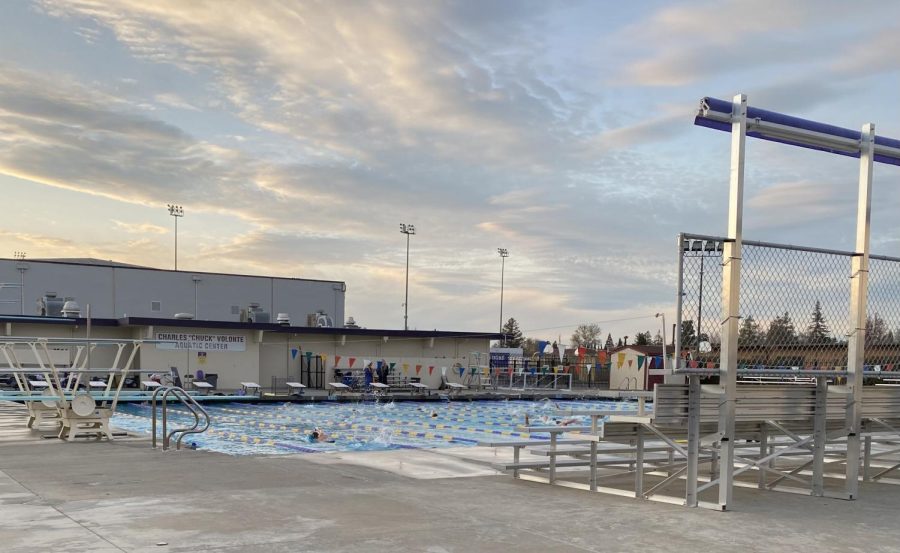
[
  {"x": 502, "y": 357},
  {"x": 201, "y": 342}
]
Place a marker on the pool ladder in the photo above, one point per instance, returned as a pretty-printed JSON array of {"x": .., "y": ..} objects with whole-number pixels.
[{"x": 190, "y": 403}]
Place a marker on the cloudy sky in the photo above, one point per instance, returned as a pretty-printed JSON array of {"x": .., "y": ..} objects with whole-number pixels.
[{"x": 298, "y": 135}]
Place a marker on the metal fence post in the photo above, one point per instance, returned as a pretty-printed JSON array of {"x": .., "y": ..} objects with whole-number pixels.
[
  {"x": 679, "y": 306},
  {"x": 731, "y": 280},
  {"x": 859, "y": 284}
]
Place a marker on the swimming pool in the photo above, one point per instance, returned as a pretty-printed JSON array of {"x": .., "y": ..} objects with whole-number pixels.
[{"x": 266, "y": 429}]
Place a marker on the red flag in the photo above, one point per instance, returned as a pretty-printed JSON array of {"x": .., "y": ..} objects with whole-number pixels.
[
  {"x": 337, "y": 359},
  {"x": 581, "y": 351},
  {"x": 430, "y": 370},
  {"x": 351, "y": 361},
  {"x": 602, "y": 356}
]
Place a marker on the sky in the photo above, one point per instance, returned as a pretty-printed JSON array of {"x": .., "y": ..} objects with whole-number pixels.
[{"x": 299, "y": 135}]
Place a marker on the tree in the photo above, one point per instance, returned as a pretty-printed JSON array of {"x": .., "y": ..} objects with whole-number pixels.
[
  {"x": 642, "y": 338},
  {"x": 657, "y": 339},
  {"x": 609, "y": 342},
  {"x": 876, "y": 329},
  {"x": 620, "y": 343},
  {"x": 781, "y": 331},
  {"x": 688, "y": 334},
  {"x": 818, "y": 332},
  {"x": 587, "y": 335},
  {"x": 750, "y": 334},
  {"x": 529, "y": 347},
  {"x": 514, "y": 337}
]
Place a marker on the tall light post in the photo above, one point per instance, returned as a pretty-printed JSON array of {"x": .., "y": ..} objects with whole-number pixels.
[
  {"x": 21, "y": 266},
  {"x": 663, "y": 315},
  {"x": 176, "y": 211},
  {"x": 504, "y": 253},
  {"x": 407, "y": 230},
  {"x": 197, "y": 280}
]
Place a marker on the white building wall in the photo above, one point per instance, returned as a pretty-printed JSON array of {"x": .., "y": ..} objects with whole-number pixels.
[
  {"x": 274, "y": 356},
  {"x": 626, "y": 373},
  {"x": 233, "y": 367},
  {"x": 114, "y": 292}
]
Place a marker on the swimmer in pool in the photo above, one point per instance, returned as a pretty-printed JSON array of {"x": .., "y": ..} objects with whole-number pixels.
[
  {"x": 319, "y": 435},
  {"x": 434, "y": 414}
]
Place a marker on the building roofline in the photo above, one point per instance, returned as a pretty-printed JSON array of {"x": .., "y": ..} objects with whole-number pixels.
[
  {"x": 126, "y": 267},
  {"x": 235, "y": 325},
  {"x": 74, "y": 321}
]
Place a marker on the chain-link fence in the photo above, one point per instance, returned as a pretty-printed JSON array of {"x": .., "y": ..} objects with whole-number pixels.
[{"x": 794, "y": 306}]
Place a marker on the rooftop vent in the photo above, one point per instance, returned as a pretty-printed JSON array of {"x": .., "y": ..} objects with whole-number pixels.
[
  {"x": 50, "y": 305},
  {"x": 184, "y": 316},
  {"x": 283, "y": 319},
  {"x": 71, "y": 309},
  {"x": 350, "y": 323},
  {"x": 255, "y": 314},
  {"x": 319, "y": 319}
]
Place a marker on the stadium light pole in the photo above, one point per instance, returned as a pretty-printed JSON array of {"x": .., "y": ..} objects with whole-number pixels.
[
  {"x": 176, "y": 211},
  {"x": 407, "y": 230},
  {"x": 663, "y": 315},
  {"x": 21, "y": 266},
  {"x": 504, "y": 253}
]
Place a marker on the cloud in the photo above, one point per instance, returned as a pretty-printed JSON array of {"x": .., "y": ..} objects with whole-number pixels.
[
  {"x": 797, "y": 204},
  {"x": 175, "y": 101},
  {"x": 457, "y": 117},
  {"x": 660, "y": 128},
  {"x": 871, "y": 55},
  {"x": 683, "y": 44},
  {"x": 139, "y": 228}
]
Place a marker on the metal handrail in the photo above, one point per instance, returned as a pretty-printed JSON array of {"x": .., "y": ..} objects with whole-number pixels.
[{"x": 191, "y": 405}]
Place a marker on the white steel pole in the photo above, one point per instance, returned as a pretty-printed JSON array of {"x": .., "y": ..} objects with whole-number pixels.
[
  {"x": 665, "y": 360},
  {"x": 502, "y": 272},
  {"x": 859, "y": 284},
  {"x": 406, "y": 295},
  {"x": 22, "y": 289},
  {"x": 731, "y": 279}
]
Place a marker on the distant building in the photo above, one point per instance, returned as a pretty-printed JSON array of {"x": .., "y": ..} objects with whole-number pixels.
[
  {"x": 115, "y": 290},
  {"x": 238, "y": 327},
  {"x": 630, "y": 367}
]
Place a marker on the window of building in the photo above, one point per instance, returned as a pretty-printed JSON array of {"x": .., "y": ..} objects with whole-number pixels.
[
  {"x": 156, "y": 306},
  {"x": 235, "y": 310}
]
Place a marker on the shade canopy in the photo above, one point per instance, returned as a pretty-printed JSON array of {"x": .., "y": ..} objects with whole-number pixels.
[{"x": 777, "y": 127}]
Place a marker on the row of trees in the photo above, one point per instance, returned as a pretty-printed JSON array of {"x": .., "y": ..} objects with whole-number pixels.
[
  {"x": 780, "y": 331},
  {"x": 588, "y": 335}
]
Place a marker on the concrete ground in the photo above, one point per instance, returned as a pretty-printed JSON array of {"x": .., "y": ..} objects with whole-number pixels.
[{"x": 124, "y": 496}]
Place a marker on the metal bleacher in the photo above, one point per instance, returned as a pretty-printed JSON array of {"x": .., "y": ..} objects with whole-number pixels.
[{"x": 791, "y": 436}]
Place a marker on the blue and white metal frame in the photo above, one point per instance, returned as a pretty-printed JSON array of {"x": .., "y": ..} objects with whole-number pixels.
[{"x": 743, "y": 121}]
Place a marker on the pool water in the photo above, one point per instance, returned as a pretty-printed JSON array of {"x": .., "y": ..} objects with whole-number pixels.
[{"x": 265, "y": 429}]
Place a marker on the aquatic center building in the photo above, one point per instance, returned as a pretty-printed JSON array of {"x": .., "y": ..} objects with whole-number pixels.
[{"x": 240, "y": 328}]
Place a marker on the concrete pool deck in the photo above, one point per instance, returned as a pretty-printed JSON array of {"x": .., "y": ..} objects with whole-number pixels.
[{"x": 123, "y": 496}]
